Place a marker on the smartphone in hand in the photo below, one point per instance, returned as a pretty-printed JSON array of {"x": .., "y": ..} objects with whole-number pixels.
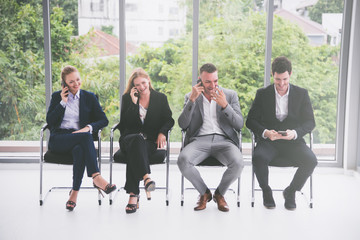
[
  {"x": 64, "y": 85},
  {"x": 283, "y": 133},
  {"x": 136, "y": 94}
]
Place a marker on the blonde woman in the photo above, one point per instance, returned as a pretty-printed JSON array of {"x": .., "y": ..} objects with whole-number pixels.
[{"x": 145, "y": 120}]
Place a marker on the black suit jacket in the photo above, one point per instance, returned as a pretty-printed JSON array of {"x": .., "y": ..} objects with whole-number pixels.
[
  {"x": 158, "y": 117},
  {"x": 90, "y": 112},
  {"x": 262, "y": 114}
]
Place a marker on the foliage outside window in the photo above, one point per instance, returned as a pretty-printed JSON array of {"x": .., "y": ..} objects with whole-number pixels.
[{"x": 232, "y": 36}]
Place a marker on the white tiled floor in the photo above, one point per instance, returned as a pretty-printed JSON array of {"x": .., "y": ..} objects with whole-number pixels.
[{"x": 336, "y": 212}]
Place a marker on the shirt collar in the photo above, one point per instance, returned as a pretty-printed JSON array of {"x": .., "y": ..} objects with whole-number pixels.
[
  {"x": 285, "y": 95},
  {"x": 76, "y": 96}
]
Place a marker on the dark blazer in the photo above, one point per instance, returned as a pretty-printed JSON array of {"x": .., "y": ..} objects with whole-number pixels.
[
  {"x": 158, "y": 117},
  {"x": 262, "y": 114},
  {"x": 230, "y": 119},
  {"x": 90, "y": 113}
]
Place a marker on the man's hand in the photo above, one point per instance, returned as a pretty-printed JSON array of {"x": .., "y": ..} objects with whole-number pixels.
[
  {"x": 161, "y": 141},
  {"x": 196, "y": 91},
  {"x": 220, "y": 98},
  {"x": 85, "y": 129},
  {"x": 290, "y": 135},
  {"x": 274, "y": 135}
]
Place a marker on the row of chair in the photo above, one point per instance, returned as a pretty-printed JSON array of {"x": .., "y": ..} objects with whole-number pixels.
[{"x": 160, "y": 157}]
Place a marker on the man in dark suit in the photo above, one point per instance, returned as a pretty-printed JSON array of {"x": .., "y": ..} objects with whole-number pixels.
[
  {"x": 212, "y": 119},
  {"x": 280, "y": 116}
]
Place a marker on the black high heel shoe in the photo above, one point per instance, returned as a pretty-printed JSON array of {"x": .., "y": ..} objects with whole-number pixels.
[
  {"x": 108, "y": 188},
  {"x": 70, "y": 205},
  {"x": 132, "y": 207},
  {"x": 149, "y": 187}
]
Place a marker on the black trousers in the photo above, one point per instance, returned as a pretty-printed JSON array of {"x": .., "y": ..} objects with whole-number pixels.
[
  {"x": 296, "y": 154},
  {"x": 81, "y": 146},
  {"x": 137, "y": 151}
]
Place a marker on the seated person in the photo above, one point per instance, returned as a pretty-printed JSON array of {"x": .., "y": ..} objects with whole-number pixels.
[
  {"x": 280, "y": 116},
  {"x": 212, "y": 120},
  {"x": 73, "y": 116},
  {"x": 145, "y": 121}
]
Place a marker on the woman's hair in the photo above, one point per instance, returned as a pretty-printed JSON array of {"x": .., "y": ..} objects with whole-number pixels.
[
  {"x": 138, "y": 72},
  {"x": 66, "y": 71}
]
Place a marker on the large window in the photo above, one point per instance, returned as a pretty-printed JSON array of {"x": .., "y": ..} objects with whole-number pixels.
[
  {"x": 309, "y": 35},
  {"x": 159, "y": 38},
  {"x": 162, "y": 46},
  {"x": 22, "y": 90},
  {"x": 232, "y": 36}
]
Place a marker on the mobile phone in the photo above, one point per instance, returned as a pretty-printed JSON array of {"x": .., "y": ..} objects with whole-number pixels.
[
  {"x": 283, "y": 133},
  {"x": 64, "y": 85},
  {"x": 136, "y": 94}
]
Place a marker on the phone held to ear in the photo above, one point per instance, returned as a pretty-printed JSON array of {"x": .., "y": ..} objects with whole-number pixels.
[
  {"x": 64, "y": 85},
  {"x": 136, "y": 94},
  {"x": 283, "y": 133}
]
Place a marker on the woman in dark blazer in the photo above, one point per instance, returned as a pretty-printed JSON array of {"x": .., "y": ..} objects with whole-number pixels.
[
  {"x": 72, "y": 117},
  {"x": 144, "y": 122}
]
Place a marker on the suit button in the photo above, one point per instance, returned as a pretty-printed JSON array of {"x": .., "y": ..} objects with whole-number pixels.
[{"x": 226, "y": 114}]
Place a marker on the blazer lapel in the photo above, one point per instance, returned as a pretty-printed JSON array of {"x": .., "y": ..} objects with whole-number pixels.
[
  {"x": 272, "y": 101},
  {"x": 291, "y": 100},
  {"x": 199, "y": 102},
  {"x": 81, "y": 108},
  {"x": 151, "y": 102}
]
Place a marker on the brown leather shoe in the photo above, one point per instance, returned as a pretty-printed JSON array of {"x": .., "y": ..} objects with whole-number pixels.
[
  {"x": 220, "y": 200},
  {"x": 201, "y": 204}
]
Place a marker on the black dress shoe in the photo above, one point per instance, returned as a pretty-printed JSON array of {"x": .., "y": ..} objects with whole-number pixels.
[
  {"x": 268, "y": 199},
  {"x": 289, "y": 196}
]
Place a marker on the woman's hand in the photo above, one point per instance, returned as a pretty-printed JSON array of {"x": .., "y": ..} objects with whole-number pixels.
[
  {"x": 134, "y": 95},
  {"x": 64, "y": 94},
  {"x": 161, "y": 141}
]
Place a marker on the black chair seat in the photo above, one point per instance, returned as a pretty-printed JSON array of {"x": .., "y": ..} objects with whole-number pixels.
[
  {"x": 282, "y": 162},
  {"x": 210, "y": 161},
  {"x": 51, "y": 157},
  {"x": 157, "y": 158}
]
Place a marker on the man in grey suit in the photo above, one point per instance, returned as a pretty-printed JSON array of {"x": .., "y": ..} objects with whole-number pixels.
[{"x": 212, "y": 119}]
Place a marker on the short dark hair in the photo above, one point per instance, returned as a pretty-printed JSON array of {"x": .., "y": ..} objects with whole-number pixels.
[
  {"x": 281, "y": 65},
  {"x": 208, "y": 67}
]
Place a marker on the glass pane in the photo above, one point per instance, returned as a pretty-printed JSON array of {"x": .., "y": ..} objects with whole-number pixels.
[
  {"x": 93, "y": 48},
  {"x": 22, "y": 91},
  {"x": 309, "y": 35},
  {"x": 232, "y": 36},
  {"x": 159, "y": 41}
]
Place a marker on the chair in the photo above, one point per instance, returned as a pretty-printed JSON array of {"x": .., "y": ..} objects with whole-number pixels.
[
  {"x": 277, "y": 163},
  {"x": 209, "y": 162},
  {"x": 159, "y": 157},
  {"x": 65, "y": 159}
]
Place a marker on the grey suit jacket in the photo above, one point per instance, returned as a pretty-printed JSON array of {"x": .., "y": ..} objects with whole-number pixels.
[{"x": 230, "y": 119}]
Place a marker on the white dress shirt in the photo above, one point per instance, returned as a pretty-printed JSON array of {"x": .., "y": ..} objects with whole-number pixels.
[
  {"x": 281, "y": 108},
  {"x": 71, "y": 118},
  {"x": 210, "y": 124}
]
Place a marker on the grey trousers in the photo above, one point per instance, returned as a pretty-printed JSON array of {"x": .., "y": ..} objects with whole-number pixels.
[{"x": 216, "y": 146}]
